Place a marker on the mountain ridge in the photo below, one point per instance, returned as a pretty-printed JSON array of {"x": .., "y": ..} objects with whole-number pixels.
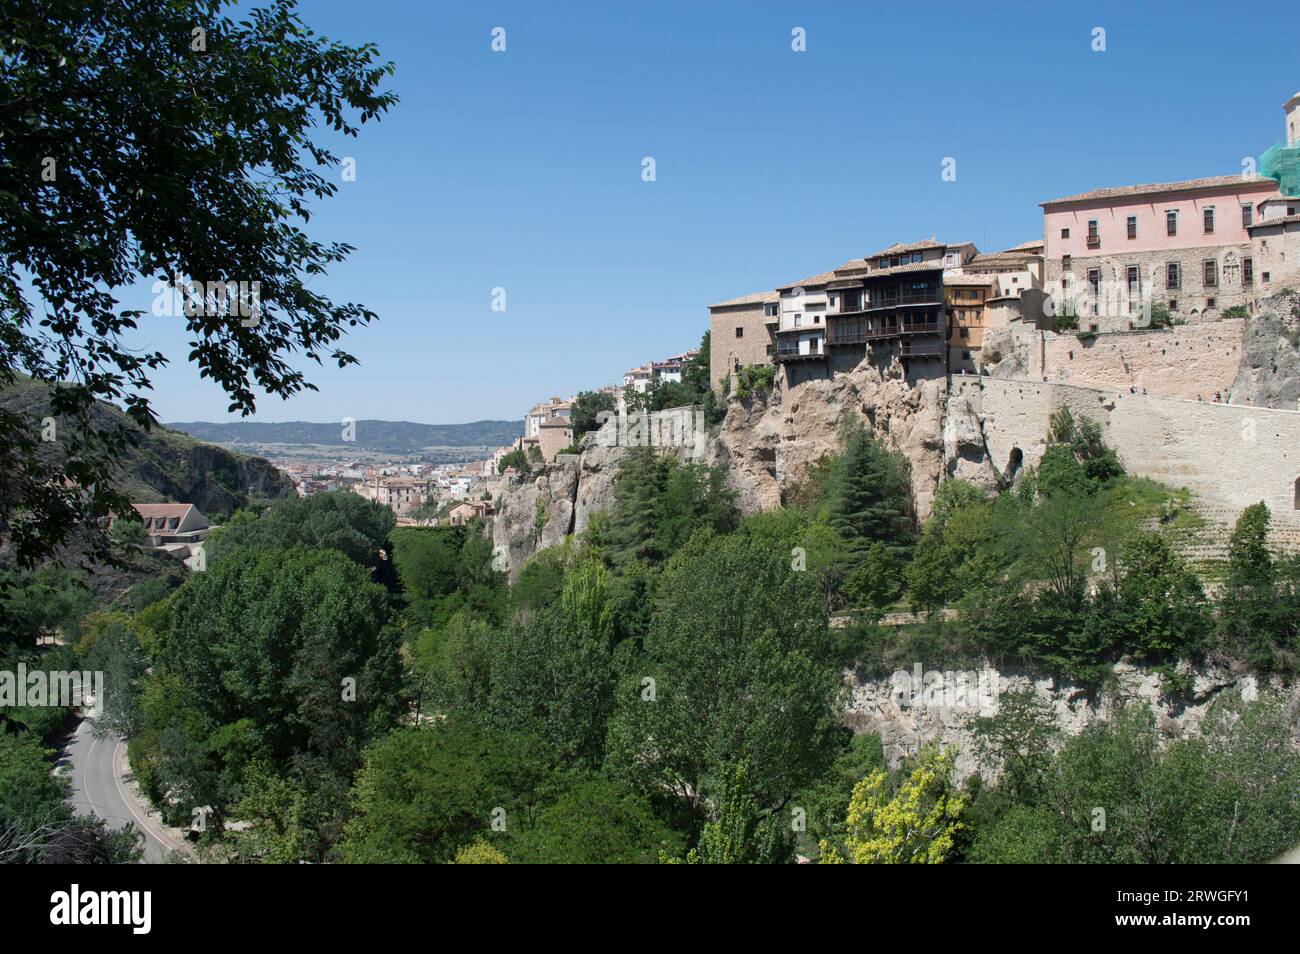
[{"x": 396, "y": 437}]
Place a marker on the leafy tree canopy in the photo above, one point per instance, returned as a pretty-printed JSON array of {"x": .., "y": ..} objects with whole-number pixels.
[{"x": 150, "y": 141}]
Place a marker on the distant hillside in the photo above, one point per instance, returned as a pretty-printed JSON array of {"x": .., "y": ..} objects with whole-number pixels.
[
  {"x": 167, "y": 465},
  {"x": 388, "y": 437}
]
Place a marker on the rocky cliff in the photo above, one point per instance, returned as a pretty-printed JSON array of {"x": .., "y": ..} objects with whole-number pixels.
[
  {"x": 535, "y": 512},
  {"x": 166, "y": 465},
  {"x": 769, "y": 443},
  {"x": 1269, "y": 375},
  {"x": 905, "y": 720},
  {"x": 766, "y": 445}
]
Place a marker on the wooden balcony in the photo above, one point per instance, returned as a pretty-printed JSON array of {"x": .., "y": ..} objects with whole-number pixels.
[
  {"x": 856, "y": 332},
  {"x": 788, "y": 354},
  {"x": 922, "y": 349}
]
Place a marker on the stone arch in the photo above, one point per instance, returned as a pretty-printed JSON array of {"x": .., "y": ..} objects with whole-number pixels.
[{"x": 1017, "y": 459}]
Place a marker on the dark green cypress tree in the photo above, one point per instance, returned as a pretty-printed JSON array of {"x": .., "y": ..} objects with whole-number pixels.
[{"x": 870, "y": 497}]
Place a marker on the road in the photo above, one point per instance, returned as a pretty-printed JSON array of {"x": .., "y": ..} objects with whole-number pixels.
[{"x": 97, "y": 786}]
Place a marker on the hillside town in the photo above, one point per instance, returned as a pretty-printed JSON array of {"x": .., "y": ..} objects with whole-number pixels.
[
  {"x": 1112, "y": 263},
  {"x": 976, "y": 544},
  {"x": 427, "y": 494},
  {"x": 1110, "y": 260}
]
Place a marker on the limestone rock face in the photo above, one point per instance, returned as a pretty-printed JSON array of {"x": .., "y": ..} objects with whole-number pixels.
[
  {"x": 595, "y": 485},
  {"x": 534, "y": 514},
  {"x": 1270, "y": 362},
  {"x": 768, "y": 444},
  {"x": 906, "y": 720}
]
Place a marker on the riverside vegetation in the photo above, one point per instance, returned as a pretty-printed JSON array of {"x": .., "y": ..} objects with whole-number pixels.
[{"x": 669, "y": 687}]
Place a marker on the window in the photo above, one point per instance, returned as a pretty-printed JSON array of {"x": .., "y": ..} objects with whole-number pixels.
[
  {"x": 1209, "y": 303},
  {"x": 1247, "y": 215},
  {"x": 1065, "y": 233},
  {"x": 771, "y": 310},
  {"x": 1094, "y": 284},
  {"x": 1173, "y": 304},
  {"x": 1265, "y": 277},
  {"x": 1094, "y": 239},
  {"x": 1173, "y": 275},
  {"x": 1207, "y": 217},
  {"x": 1247, "y": 271},
  {"x": 965, "y": 332},
  {"x": 1065, "y": 263},
  {"x": 798, "y": 319},
  {"x": 965, "y": 355},
  {"x": 1211, "y": 273},
  {"x": 1290, "y": 210},
  {"x": 1171, "y": 222},
  {"x": 1132, "y": 226},
  {"x": 740, "y": 332}
]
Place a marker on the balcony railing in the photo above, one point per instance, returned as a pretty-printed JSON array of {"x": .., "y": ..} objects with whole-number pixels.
[
  {"x": 1094, "y": 241},
  {"x": 815, "y": 352},
  {"x": 921, "y": 349},
  {"x": 859, "y": 332}
]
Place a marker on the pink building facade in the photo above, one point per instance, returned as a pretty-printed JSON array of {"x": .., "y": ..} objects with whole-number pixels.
[{"x": 1185, "y": 244}]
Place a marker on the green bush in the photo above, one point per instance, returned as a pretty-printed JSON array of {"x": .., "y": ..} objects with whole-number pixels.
[{"x": 754, "y": 379}]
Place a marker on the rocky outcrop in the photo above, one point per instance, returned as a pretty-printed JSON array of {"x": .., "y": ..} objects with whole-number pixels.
[
  {"x": 907, "y": 719},
  {"x": 534, "y": 513},
  {"x": 1270, "y": 363},
  {"x": 768, "y": 444},
  {"x": 573, "y": 488},
  {"x": 597, "y": 468},
  {"x": 215, "y": 480},
  {"x": 161, "y": 464}
]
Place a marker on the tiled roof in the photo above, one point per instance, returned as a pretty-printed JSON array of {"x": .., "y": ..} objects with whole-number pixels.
[
  {"x": 863, "y": 269},
  {"x": 1276, "y": 220},
  {"x": 899, "y": 248},
  {"x": 1026, "y": 246},
  {"x": 1017, "y": 260},
  {"x": 987, "y": 280},
  {"x": 757, "y": 298},
  {"x": 162, "y": 510},
  {"x": 821, "y": 278},
  {"x": 1156, "y": 188}
]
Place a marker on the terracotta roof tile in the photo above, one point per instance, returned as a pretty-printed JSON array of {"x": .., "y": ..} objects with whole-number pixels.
[
  {"x": 821, "y": 278},
  {"x": 757, "y": 298},
  {"x": 1156, "y": 188},
  {"x": 1276, "y": 220}
]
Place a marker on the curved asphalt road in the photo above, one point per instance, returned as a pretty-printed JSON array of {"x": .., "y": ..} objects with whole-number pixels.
[{"x": 97, "y": 787}]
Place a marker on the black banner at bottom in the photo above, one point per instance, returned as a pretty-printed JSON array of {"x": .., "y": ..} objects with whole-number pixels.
[{"x": 215, "y": 903}]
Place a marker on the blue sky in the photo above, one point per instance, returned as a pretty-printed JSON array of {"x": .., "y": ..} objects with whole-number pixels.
[{"x": 522, "y": 169}]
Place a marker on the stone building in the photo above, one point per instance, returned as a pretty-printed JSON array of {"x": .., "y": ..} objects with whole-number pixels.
[
  {"x": 554, "y": 435},
  {"x": 1276, "y": 244},
  {"x": 964, "y": 298},
  {"x": 1186, "y": 244},
  {"x": 399, "y": 494},
  {"x": 740, "y": 334}
]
